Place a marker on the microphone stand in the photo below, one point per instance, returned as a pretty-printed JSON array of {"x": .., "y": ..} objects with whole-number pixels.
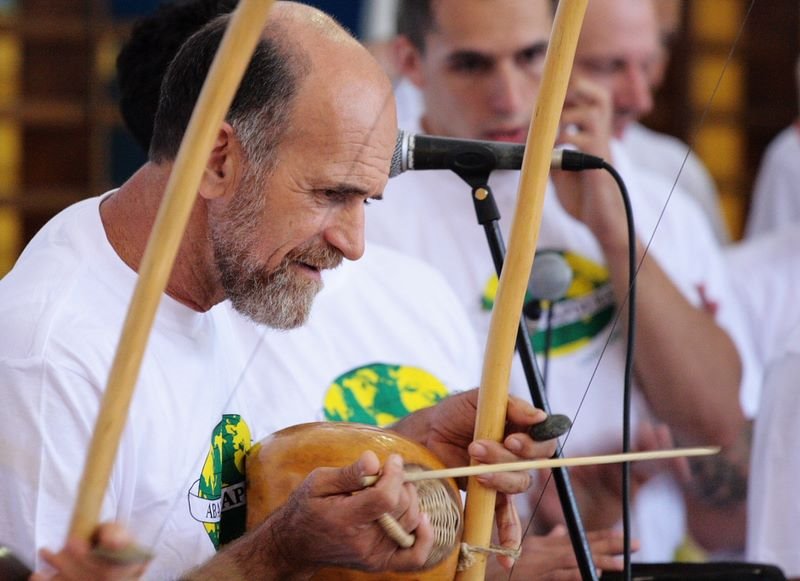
[{"x": 488, "y": 216}]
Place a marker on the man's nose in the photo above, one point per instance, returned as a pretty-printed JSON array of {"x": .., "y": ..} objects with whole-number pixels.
[
  {"x": 345, "y": 230},
  {"x": 507, "y": 91},
  {"x": 637, "y": 90}
]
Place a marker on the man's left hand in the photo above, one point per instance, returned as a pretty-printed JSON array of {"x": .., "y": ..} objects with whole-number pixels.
[
  {"x": 79, "y": 560},
  {"x": 447, "y": 429}
]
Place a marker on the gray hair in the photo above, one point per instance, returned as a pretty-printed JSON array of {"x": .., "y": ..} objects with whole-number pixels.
[{"x": 260, "y": 111}]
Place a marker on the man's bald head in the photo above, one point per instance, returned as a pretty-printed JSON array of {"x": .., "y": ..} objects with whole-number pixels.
[
  {"x": 620, "y": 48},
  {"x": 298, "y": 40}
]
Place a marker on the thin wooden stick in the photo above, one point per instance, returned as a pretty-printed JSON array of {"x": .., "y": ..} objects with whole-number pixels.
[
  {"x": 227, "y": 70},
  {"x": 476, "y": 470},
  {"x": 493, "y": 398}
]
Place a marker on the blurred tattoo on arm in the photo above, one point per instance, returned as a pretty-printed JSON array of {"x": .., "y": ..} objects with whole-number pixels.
[{"x": 720, "y": 481}]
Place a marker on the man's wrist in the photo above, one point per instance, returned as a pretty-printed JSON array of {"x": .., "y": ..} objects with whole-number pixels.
[
  {"x": 279, "y": 551},
  {"x": 258, "y": 554}
]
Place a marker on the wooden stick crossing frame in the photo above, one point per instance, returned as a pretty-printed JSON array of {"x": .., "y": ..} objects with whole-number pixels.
[
  {"x": 227, "y": 70},
  {"x": 478, "y": 469},
  {"x": 493, "y": 398}
]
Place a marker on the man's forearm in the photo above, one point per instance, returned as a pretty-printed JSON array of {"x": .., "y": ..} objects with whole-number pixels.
[
  {"x": 256, "y": 555},
  {"x": 716, "y": 496},
  {"x": 686, "y": 365}
]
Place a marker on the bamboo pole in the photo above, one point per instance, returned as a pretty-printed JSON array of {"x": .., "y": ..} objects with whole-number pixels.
[
  {"x": 493, "y": 398},
  {"x": 227, "y": 70}
]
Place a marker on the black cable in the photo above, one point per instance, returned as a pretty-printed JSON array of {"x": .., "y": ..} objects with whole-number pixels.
[
  {"x": 488, "y": 216},
  {"x": 630, "y": 300},
  {"x": 577, "y": 161}
]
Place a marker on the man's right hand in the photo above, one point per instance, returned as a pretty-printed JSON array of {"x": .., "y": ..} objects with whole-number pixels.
[
  {"x": 331, "y": 520},
  {"x": 552, "y": 558}
]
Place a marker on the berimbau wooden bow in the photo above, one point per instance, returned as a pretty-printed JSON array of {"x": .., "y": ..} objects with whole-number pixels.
[
  {"x": 216, "y": 96},
  {"x": 478, "y": 469},
  {"x": 493, "y": 398}
]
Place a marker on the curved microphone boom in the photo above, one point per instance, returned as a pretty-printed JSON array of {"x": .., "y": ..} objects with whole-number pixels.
[{"x": 420, "y": 152}]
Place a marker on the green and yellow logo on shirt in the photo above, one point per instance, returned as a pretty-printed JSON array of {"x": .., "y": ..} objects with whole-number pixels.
[
  {"x": 217, "y": 498},
  {"x": 577, "y": 318},
  {"x": 379, "y": 394}
]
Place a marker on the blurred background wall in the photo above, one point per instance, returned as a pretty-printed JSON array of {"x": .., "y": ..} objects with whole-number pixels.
[{"x": 61, "y": 138}]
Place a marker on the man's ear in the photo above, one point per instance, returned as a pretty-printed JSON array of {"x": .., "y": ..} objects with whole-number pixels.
[
  {"x": 408, "y": 60},
  {"x": 220, "y": 171}
]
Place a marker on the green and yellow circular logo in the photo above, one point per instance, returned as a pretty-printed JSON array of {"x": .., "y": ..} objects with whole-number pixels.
[
  {"x": 577, "y": 318},
  {"x": 379, "y": 394}
]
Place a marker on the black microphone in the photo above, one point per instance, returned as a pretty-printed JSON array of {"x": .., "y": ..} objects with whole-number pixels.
[
  {"x": 419, "y": 152},
  {"x": 550, "y": 279}
]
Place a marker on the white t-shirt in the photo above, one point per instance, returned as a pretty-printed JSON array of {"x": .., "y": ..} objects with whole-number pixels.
[
  {"x": 179, "y": 462},
  {"x": 673, "y": 159},
  {"x": 773, "y": 506},
  {"x": 386, "y": 336},
  {"x": 776, "y": 200},
  {"x": 430, "y": 215},
  {"x": 765, "y": 271}
]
